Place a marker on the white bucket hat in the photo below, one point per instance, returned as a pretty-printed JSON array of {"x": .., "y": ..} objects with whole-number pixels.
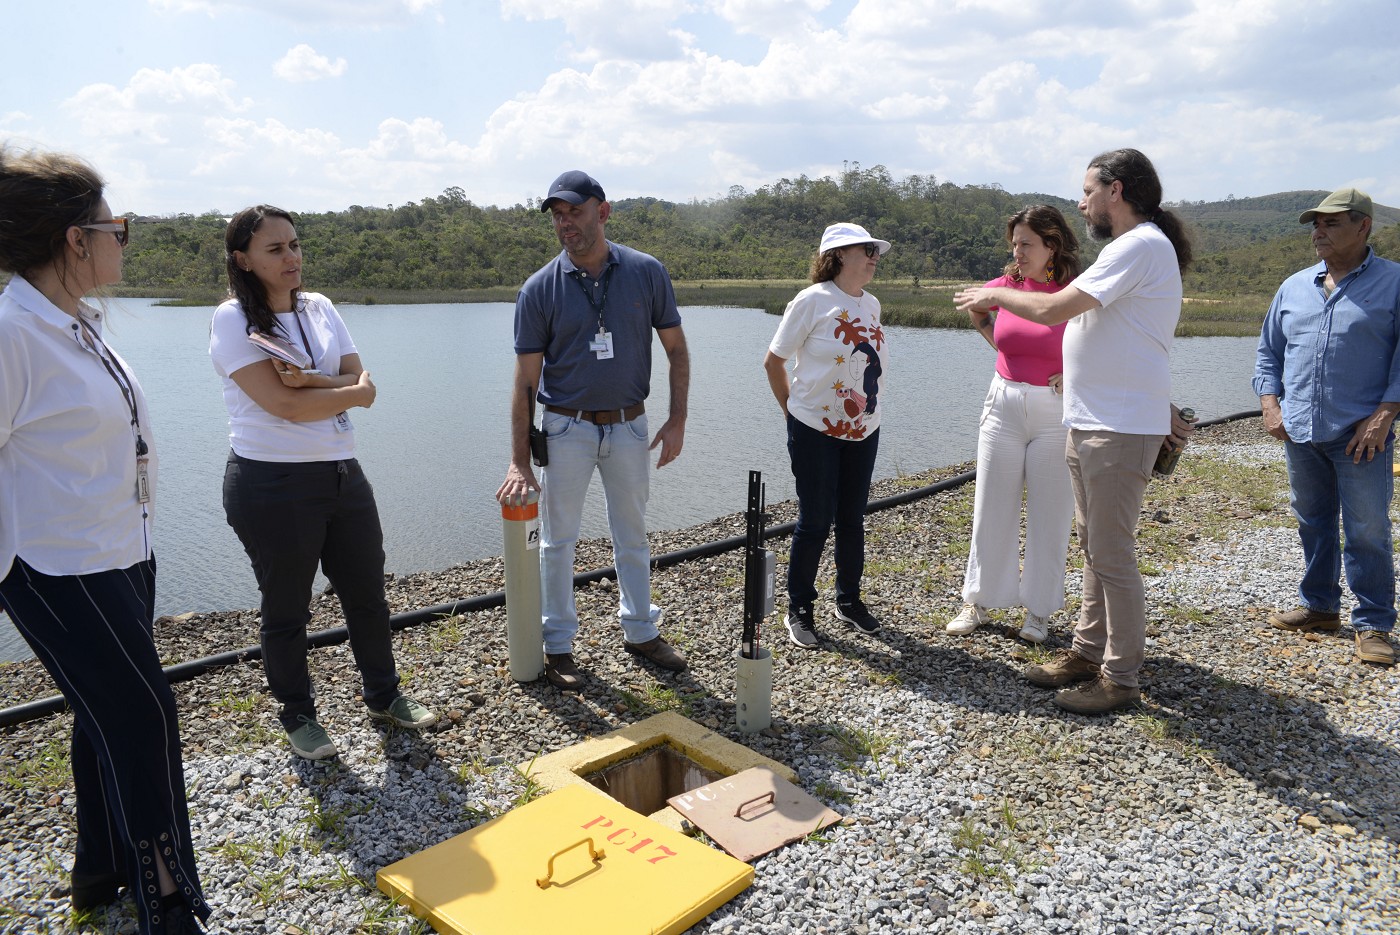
[{"x": 843, "y": 235}]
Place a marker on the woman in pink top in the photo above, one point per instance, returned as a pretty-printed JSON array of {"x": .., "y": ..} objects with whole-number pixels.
[{"x": 1021, "y": 442}]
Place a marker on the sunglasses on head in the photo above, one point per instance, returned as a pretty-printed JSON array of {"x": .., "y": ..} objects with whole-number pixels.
[{"x": 117, "y": 226}]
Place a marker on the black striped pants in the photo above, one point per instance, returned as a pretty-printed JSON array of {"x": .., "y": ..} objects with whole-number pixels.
[{"x": 93, "y": 634}]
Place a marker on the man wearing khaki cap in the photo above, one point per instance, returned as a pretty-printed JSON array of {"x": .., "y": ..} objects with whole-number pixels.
[{"x": 1328, "y": 378}]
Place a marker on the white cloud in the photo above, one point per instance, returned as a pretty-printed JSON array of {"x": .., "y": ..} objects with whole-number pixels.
[
  {"x": 152, "y": 101},
  {"x": 637, "y": 30},
  {"x": 303, "y": 63},
  {"x": 359, "y": 12},
  {"x": 771, "y": 18}
]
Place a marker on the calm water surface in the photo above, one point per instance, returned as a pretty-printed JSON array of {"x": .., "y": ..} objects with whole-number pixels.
[{"x": 436, "y": 443}]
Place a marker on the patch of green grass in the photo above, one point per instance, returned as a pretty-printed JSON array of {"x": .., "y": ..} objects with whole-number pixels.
[
  {"x": 996, "y": 850},
  {"x": 269, "y": 887},
  {"x": 237, "y": 850},
  {"x": 888, "y": 679},
  {"x": 327, "y": 822},
  {"x": 1151, "y": 726},
  {"x": 446, "y": 634},
  {"x": 245, "y": 703},
  {"x": 855, "y": 743},
  {"x": 818, "y": 835},
  {"x": 828, "y": 791},
  {"x": 657, "y": 698},
  {"x": 530, "y": 787},
  {"x": 47, "y": 768}
]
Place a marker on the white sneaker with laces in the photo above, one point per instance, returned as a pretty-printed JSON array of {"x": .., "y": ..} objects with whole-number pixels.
[
  {"x": 1035, "y": 628},
  {"x": 968, "y": 619}
]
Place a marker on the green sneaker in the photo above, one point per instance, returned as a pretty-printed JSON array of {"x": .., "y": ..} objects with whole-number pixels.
[
  {"x": 310, "y": 740},
  {"x": 405, "y": 712}
]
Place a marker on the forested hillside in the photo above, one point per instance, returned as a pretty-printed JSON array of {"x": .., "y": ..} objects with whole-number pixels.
[{"x": 942, "y": 232}]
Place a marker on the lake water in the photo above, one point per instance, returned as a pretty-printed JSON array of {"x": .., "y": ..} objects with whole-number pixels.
[{"x": 436, "y": 443}]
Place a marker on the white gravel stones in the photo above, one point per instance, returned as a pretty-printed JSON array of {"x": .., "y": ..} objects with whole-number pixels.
[{"x": 1252, "y": 792}]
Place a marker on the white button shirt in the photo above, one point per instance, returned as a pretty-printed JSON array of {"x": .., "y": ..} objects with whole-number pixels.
[{"x": 68, "y": 500}]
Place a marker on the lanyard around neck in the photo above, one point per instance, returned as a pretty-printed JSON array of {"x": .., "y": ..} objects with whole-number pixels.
[
  {"x": 119, "y": 377},
  {"x": 296, "y": 314},
  {"x": 588, "y": 293}
]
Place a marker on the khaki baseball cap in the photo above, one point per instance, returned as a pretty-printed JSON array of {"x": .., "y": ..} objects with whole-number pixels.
[{"x": 1343, "y": 199}]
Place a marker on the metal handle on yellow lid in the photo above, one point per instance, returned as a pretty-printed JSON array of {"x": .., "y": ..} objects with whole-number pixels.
[{"x": 596, "y": 854}]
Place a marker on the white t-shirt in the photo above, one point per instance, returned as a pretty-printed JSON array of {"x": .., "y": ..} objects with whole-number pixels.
[
  {"x": 1118, "y": 356},
  {"x": 68, "y": 468},
  {"x": 253, "y": 431},
  {"x": 838, "y": 349}
]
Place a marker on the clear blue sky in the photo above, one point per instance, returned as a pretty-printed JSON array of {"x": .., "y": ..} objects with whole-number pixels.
[{"x": 196, "y": 105}]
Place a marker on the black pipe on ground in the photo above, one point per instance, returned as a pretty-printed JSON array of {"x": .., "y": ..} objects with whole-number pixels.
[{"x": 192, "y": 669}]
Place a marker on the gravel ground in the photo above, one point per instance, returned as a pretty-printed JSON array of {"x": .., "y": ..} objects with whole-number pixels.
[{"x": 1248, "y": 793}]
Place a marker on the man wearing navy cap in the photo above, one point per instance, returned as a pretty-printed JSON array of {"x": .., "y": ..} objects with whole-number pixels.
[
  {"x": 583, "y": 327},
  {"x": 1328, "y": 377}
]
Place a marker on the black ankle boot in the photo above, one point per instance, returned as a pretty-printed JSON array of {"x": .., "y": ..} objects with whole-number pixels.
[
  {"x": 180, "y": 921},
  {"x": 91, "y": 890}
]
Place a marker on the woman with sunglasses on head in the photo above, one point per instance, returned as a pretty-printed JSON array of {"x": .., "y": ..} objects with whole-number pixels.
[
  {"x": 293, "y": 491},
  {"x": 831, "y": 401},
  {"x": 77, "y": 574},
  {"x": 1021, "y": 442}
]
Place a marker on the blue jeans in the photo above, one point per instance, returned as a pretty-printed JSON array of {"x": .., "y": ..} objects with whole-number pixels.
[
  {"x": 619, "y": 453},
  {"x": 1324, "y": 483},
  {"x": 833, "y": 486}
]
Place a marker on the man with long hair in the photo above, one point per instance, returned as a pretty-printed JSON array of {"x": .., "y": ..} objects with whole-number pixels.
[{"x": 1122, "y": 312}]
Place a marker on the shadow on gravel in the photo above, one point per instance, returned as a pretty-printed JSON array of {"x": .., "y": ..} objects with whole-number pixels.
[
  {"x": 987, "y": 679},
  {"x": 1283, "y": 744}
]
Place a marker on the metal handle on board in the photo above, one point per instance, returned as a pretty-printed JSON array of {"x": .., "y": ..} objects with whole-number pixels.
[
  {"x": 596, "y": 854},
  {"x": 743, "y": 805}
]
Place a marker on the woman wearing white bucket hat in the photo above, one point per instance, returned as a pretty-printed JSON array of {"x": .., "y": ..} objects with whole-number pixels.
[{"x": 831, "y": 400}]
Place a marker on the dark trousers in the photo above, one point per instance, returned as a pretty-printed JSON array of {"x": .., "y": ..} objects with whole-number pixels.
[
  {"x": 833, "y": 487},
  {"x": 291, "y": 518},
  {"x": 93, "y": 634}
]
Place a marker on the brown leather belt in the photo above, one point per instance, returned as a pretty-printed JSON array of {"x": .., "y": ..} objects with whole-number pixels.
[{"x": 601, "y": 416}]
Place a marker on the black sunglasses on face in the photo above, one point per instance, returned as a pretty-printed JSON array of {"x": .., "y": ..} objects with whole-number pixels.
[
  {"x": 117, "y": 226},
  {"x": 871, "y": 249}
]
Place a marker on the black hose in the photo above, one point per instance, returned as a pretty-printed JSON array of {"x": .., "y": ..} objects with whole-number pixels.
[{"x": 186, "y": 671}]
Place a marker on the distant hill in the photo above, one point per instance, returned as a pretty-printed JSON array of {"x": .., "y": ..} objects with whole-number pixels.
[
  {"x": 1236, "y": 222},
  {"x": 940, "y": 231}
]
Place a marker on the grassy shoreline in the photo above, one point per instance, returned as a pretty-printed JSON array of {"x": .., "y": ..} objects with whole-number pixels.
[{"x": 918, "y": 304}]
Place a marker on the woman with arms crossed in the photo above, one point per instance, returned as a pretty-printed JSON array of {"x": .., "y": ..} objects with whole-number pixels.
[
  {"x": 77, "y": 574},
  {"x": 1021, "y": 442},
  {"x": 832, "y": 407},
  {"x": 293, "y": 491}
]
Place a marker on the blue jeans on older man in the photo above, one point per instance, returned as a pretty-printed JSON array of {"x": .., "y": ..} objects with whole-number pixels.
[
  {"x": 1324, "y": 483},
  {"x": 619, "y": 454}
]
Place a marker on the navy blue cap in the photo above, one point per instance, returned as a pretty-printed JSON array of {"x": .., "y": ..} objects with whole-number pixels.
[{"x": 575, "y": 187}]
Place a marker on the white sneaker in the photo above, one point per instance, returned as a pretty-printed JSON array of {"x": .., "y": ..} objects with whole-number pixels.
[
  {"x": 1035, "y": 629},
  {"x": 968, "y": 619}
]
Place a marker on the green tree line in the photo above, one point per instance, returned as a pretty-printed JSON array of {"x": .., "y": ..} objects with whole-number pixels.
[{"x": 750, "y": 248}]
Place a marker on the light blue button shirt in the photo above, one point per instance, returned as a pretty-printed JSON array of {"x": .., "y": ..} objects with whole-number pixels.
[{"x": 1331, "y": 360}]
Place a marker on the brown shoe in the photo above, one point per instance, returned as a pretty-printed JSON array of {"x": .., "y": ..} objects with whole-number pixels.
[
  {"x": 1374, "y": 646},
  {"x": 562, "y": 671},
  {"x": 1097, "y": 697},
  {"x": 658, "y": 651},
  {"x": 1067, "y": 667},
  {"x": 1304, "y": 619}
]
